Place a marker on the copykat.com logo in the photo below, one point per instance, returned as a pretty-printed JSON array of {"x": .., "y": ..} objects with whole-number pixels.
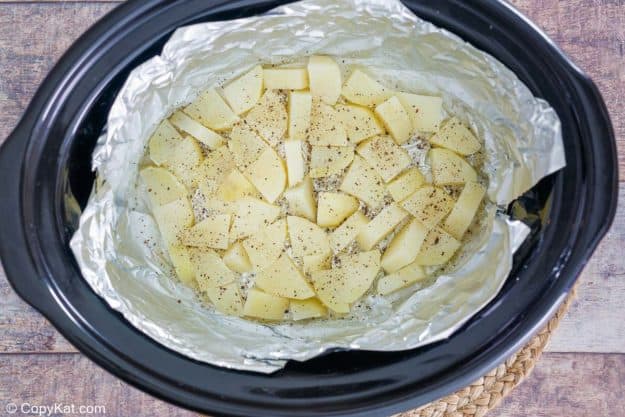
[{"x": 55, "y": 409}]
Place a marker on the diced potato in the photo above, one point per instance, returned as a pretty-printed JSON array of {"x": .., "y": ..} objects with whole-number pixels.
[
  {"x": 245, "y": 146},
  {"x": 162, "y": 186},
  {"x": 300, "y": 106},
  {"x": 284, "y": 279},
  {"x": 181, "y": 260},
  {"x": 211, "y": 232},
  {"x": 301, "y": 199},
  {"x": 378, "y": 228},
  {"x": 400, "y": 279},
  {"x": 405, "y": 184},
  {"x": 359, "y": 122},
  {"x": 244, "y": 92},
  {"x": 361, "y": 89},
  {"x": 448, "y": 168},
  {"x": 196, "y": 129},
  {"x": 266, "y": 245},
  {"x": 307, "y": 238},
  {"x": 395, "y": 119},
  {"x": 333, "y": 208},
  {"x": 268, "y": 174},
  {"x": 314, "y": 263},
  {"x": 385, "y": 156},
  {"x": 236, "y": 258},
  {"x": 234, "y": 186},
  {"x": 455, "y": 136},
  {"x": 438, "y": 248},
  {"x": 462, "y": 214},
  {"x": 163, "y": 143},
  {"x": 404, "y": 247},
  {"x": 346, "y": 233},
  {"x": 363, "y": 182},
  {"x": 329, "y": 160},
  {"x": 295, "y": 165},
  {"x": 285, "y": 78},
  {"x": 226, "y": 299},
  {"x": 250, "y": 215},
  {"x": 173, "y": 219},
  {"x": 307, "y": 309},
  {"x": 429, "y": 205},
  {"x": 324, "y": 78},
  {"x": 210, "y": 269},
  {"x": 213, "y": 170},
  {"x": 425, "y": 111},
  {"x": 265, "y": 306},
  {"x": 325, "y": 126},
  {"x": 212, "y": 111},
  {"x": 269, "y": 117}
]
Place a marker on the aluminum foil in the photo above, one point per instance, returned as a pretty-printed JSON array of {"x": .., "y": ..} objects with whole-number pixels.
[{"x": 523, "y": 143}]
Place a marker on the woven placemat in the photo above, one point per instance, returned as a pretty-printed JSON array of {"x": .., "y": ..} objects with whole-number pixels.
[{"x": 486, "y": 393}]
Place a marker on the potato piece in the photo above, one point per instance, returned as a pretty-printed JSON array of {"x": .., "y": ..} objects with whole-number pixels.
[
  {"x": 173, "y": 219},
  {"x": 404, "y": 247},
  {"x": 395, "y": 119},
  {"x": 455, "y": 136},
  {"x": 359, "y": 122},
  {"x": 301, "y": 199},
  {"x": 307, "y": 238},
  {"x": 314, "y": 263},
  {"x": 361, "y": 89},
  {"x": 265, "y": 306},
  {"x": 213, "y": 170},
  {"x": 462, "y": 214},
  {"x": 285, "y": 78},
  {"x": 307, "y": 309},
  {"x": 346, "y": 233},
  {"x": 236, "y": 258},
  {"x": 429, "y": 205},
  {"x": 438, "y": 248},
  {"x": 405, "y": 184},
  {"x": 450, "y": 169},
  {"x": 181, "y": 260},
  {"x": 245, "y": 146},
  {"x": 329, "y": 160},
  {"x": 378, "y": 228},
  {"x": 212, "y": 111},
  {"x": 295, "y": 165},
  {"x": 200, "y": 132},
  {"x": 234, "y": 186},
  {"x": 162, "y": 186},
  {"x": 284, "y": 279},
  {"x": 163, "y": 143},
  {"x": 210, "y": 269},
  {"x": 251, "y": 214},
  {"x": 333, "y": 208},
  {"x": 268, "y": 174},
  {"x": 387, "y": 158},
  {"x": 425, "y": 112},
  {"x": 266, "y": 245},
  {"x": 325, "y": 126},
  {"x": 363, "y": 182},
  {"x": 324, "y": 78},
  {"x": 244, "y": 92},
  {"x": 226, "y": 299},
  {"x": 300, "y": 105},
  {"x": 269, "y": 117},
  {"x": 211, "y": 232},
  {"x": 400, "y": 279}
]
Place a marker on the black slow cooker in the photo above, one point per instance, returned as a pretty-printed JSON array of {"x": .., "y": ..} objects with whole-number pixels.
[{"x": 45, "y": 170}]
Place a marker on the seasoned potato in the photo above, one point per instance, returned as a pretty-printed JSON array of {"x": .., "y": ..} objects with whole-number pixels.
[
  {"x": 300, "y": 106},
  {"x": 385, "y": 156},
  {"x": 226, "y": 299},
  {"x": 364, "y": 90},
  {"x": 429, "y": 205},
  {"x": 343, "y": 235},
  {"x": 212, "y": 111},
  {"x": 406, "y": 276},
  {"x": 404, "y": 247},
  {"x": 329, "y": 160},
  {"x": 395, "y": 119},
  {"x": 455, "y": 136},
  {"x": 464, "y": 210},
  {"x": 236, "y": 258},
  {"x": 244, "y": 92},
  {"x": 269, "y": 117},
  {"x": 268, "y": 174},
  {"x": 307, "y": 309},
  {"x": 213, "y": 170},
  {"x": 251, "y": 214},
  {"x": 301, "y": 200},
  {"x": 235, "y": 186},
  {"x": 285, "y": 78},
  {"x": 210, "y": 269},
  {"x": 324, "y": 78},
  {"x": 284, "y": 279},
  {"x": 200, "y": 132},
  {"x": 359, "y": 122},
  {"x": 333, "y": 208},
  {"x": 307, "y": 238},
  {"x": 265, "y": 306},
  {"x": 173, "y": 219},
  {"x": 181, "y": 260},
  {"x": 245, "y": 146},
  {"x": 266, "y": 245},
  {"x": 162, "y": 186},
  {"x": 438, "y": 248},
  {"x": 211, "y": 232},
  {"x": 449, "y": 168},
  {"x": 314, "y": 263},
  {"x": 363, "y": 182},
  {"x": 425, "y": 112},
  {"x": 405, "y": 184},
  {"x": 163, "y": 143},
  {"x": 295, "y": 164},
  {"x": 325, "y": 126},
  {"x": 378, "y": 228}
]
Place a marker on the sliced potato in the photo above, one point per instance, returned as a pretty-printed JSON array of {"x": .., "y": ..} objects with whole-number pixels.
[
  {"x": 181, "y": 260},
  {"x": 425, "y": 112},
  {"x": 438, "y": 248},
  {"x": 251, "y": 214},
  {"x": 300, "y": 105},
  {"x": 363, "y": 182},
  {"x": 464, "y": 210},
  {"x": 404, "y": 247},
  {"x": 325, "y": 126},
  {"x": 295, "y": 165},
  {"x": 236, "y": 258},
  {"x": 210, "y": 269},
  {"x": 301, "y": 199},
  {"x": 395, "y": 119},
  {"x": 307, "y": 238},
  {"x": 212, "y": 111},
  {"x": 269, "y": 117},
  {"x": 429, "y": 205},
  {"x": 307, "y": 309},
  {"x": 448, "y": 168},
  {"x": 163, "y": 143},
  {"x": 324, "y": 78},
  {"x": 244, "y": 92},
  {"x": 265, "y": 246},
  {"x": 200, "y": 132},
  {"x": 382, "y": 224},
  {"x": 285, "y": 78},
  {"x": 361, "y": 89},
  {"x": 284, "y": 279},
  {"x": 265, "y": 306},
  {"x": 173, "y": 219},
  {"x": 226, "y": 299},
  {"x": 359, "y": 122},
  {"x": 162, "y": 186},
  {"x": 268, "y": 174},
  {"x": 455, "y": 136},
  {"x": 407, "y": 275},
  {"x": 211, "y": 232},
  {"x": 385, "y": 156},
  {"x": 213, "y": 170},
  {"x": 245, "y": 146},
  {"x": 333, "y": 208},
  {"x": 346, "y": 233},
  {"x": 329, "y": 160},
  {"x": 314, "y": 263},
  {"x": 234, "y": 186},
  {"x": 405, "y": 184}
]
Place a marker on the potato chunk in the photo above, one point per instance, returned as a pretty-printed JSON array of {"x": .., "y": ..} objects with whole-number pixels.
[
  {"x": 450, "y": 169},
  {"x": 300, "y": 105},
  {"x": 226, "y": 299},
  {"x": 455, "y": 136},
  {"x": 385, "y": 156},
  {"x": 211, "y": 232},
  {"x": 314, "y": 263},
  {"x": 343, "y": 235},
  {"x": 325, "y": 126},
  {"x": 404, "y": 247},
  {"x": 266, "y": 245},
  {"x": 307, "y": 309},
  {"x": 269, "y": 117},
  {"x": 265, "y": 306},
  {"x": 236, "y": 258},
  {"x": 162, "y": 186},
  {"x": 245, "y": 146},
  {"x": 181, "y": 260},
  {"x": 363, "y": 182},
  {"x": 438, "y": 248},
  {"x": 163, "y": 143},
  {"x": 210, "y": 269},
  {"x": 200, "y": 132},
  {"x": 235, "y": 186},
  {"x": 268, "y": 174},
  {"x": 173, "y": 219},
  {"x": 284, "y": 279},
  {"x": 429, "y": 205},
  {"x": 395, "y": 119},
  {"x": 307, "y": 238},
  {"x": 212, "y": 111},
  {"x": 406, "y": 276},
  {"x": 285, "y": 78},
  {"x": 251, "y": 214},
  {"x": 244, "y": 92},
  {"x": 405, "y": 184},
  {"x": 378, "y": 228},
  {"x": 301, "y": 199},
  {"x": 329, "y": 160},
  {"x": 425, "y": 112},
  {"x": 359, "y": 122},
  {"x": 462, "y": 214},
  {"x": 361, "y": 89},
  {"x": 324, "y": 78},
  {"x": 334, "y": 208},
  {"x": 295, "y": 164}
]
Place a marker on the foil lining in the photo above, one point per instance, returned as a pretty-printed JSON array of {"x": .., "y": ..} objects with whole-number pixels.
[{"x": 523, "y": 143}]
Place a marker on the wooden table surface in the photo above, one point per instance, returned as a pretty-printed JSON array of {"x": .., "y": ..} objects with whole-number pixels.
[{"x": 581, "y": 374}]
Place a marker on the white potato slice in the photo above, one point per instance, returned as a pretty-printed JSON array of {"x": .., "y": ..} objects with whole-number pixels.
[
  {"x": 173, "y": 219},
  {"x": 325, "y": 126},
  {"x": 405, "y": 184},
  {"x": 251, "y": 214},
  {"x": 363, "y": 182},
  {"x": 314, "y": 263},
  {"x": 329, "y": 160},
  {"x": 162, "y": 186},
  {"x": 385, "y": 156},
  {"x": 324, "y": 78},
  {"x": 285, "y": 78},
  {"x": 455, "y": 136},
  {"x": 300, "y": 106},
  {"x": 359, "y": 122},
  {"x": 425, "y": 112},
  {"x": 438, "y": 248},
  {"x": 343, "y": 235},
  {"x": 226, "y": 299},
  {"x": 236, "y": 258},
  {"x": 268, "y": 174},
  {"x": 404, "y": 247},
  {"x": 211, "y": 232},
  {"x": 265, "y": 306},
  {"x": 212, "y": 111},
  {"x": 266, "y": 245},
  {"x": 464, "y": 210},
  {"x": 301, "y": 200},
  {"x": 234, "y": 186},
  {"x": 395, "y": 119},
  {"x": 406, "y": 276},
  {"x": 295, "y": 164},
  {"x": 448, "y": 168},
  {"x": 196, "y": 129},
  {"x": 181, "y": 260},
  {"x": 361, "y": 89},
  {"x": 333, "y": 208},
  {"x": 307, "y": 238},
  {"x": 381, "y": 225},
  {"x": 284, "y": 279},
  {"x": 429, "y": 205},
  {"x": 244, "y": 92},
  {"x": 163, "y": 143},
  {"x": 307, "y": 309},
  {"x": 213, "y": 170},
  {"x": 210, "y": 269},
  {"x": 245, "y": 146},
  {"x": 269, "y": 117}
]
